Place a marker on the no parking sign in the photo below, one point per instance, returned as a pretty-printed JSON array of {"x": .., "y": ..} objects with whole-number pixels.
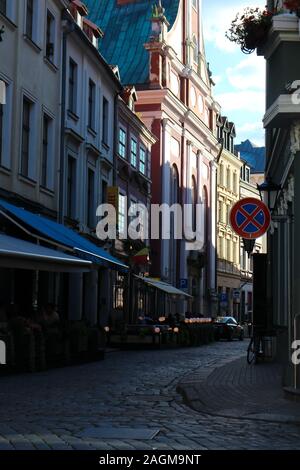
[{"x": 250, "y": 218}]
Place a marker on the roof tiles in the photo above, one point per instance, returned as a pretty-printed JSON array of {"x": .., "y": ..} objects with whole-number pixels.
[{"x": 126, "y": 29}]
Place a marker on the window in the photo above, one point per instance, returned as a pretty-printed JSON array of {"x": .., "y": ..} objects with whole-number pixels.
[
  {"x": 27, "y": 108},
  {"x": 247, "y": 175},
  {"x": 91, "y": 198},
  {"x": 105, "y": 118},
  {"x": 122, "y": 213},
  {"x": 104, "y": 192},
  {"x": 133, "y": 152},
  {"x": 122, "y": 143},
  {"x": 50, "y": 35},
  {"x": 3, "y": 7},
  {"x": 194, "y": 203},
  {"x": 235, "y": 183},
  {"x": 46, "y": 151},
  {"x": 227, "y": 213},
  {"x": 118, "y": 301},
  {"x": 228, "y": 250},
  {"x": 220, "y": 211},
  {"x": 71, "y": 187},
  {"x": 221, "y": 175},
  {"x": 143, "y": 160},
  {"x": 91, "y": 110},
  {"x": 73, "y": 69},
  {"x": 29, "y": 18},
  {"x": 228, "y": 179}
]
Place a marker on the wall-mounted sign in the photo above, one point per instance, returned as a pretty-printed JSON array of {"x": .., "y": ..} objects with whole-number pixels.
[{"x": 250, "y": 218}]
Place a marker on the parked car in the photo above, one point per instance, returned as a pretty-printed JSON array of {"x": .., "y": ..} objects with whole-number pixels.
[{"x": 228, "y": 328}]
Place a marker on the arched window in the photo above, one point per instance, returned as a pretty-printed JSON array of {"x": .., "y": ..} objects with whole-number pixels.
[
  {"x": 194, "y": 203},
  {"x": 235, "y": 182},
  {"x": 174, "y": 199},
  {"x": 205, "y": 214},
  {"x": 174, "y": 185},
  {"x": 228, "y": 179},
  {"x": 221, "y": 174}
]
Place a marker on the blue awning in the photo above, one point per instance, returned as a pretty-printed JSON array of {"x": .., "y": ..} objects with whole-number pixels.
[
  {"x": 21, "y": 254},
  {"x": 64, "y": 236}
]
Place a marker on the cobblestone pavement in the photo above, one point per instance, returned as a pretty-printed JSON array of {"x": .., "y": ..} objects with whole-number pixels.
[{"x": 134, "y": 389}]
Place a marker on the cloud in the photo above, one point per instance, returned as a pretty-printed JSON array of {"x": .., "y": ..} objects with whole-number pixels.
[
  {"x": 217, "y": 20},
  {"x": 253, "y": 131},
  {"x": 244, "y": 100},
  {"x": 217, "y": 79},
  {"x": 250, "y": 127},
  {"x": 248, "y": 74}
]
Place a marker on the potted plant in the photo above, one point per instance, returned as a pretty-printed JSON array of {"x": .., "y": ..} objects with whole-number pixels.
[{"x": 250, "y": 28}]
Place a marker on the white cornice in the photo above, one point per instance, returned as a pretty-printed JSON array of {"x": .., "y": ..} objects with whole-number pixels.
[
  {"x": 282, "y": 109},
  {"x": 285, "y": 28}
]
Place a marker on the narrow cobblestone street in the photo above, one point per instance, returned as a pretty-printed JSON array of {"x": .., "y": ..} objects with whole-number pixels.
[{"x": 60, "y": 409}]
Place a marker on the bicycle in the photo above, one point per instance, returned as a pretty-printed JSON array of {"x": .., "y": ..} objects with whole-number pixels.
[{"x": 255, "y": 350}]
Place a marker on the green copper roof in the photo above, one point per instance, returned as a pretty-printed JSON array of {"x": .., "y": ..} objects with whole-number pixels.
[{"x": 126, "y": 29}]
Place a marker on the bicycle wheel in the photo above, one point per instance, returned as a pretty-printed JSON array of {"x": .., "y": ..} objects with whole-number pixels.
[{"x": 251, "y": 353}]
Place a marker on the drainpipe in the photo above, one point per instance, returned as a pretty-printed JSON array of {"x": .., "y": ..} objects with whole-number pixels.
[{"x": 68, "y": 27}]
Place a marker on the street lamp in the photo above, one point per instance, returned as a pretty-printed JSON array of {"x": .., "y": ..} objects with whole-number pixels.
[
  {"x": 1, "y": 33},
  {"x": 272, "y": 189}
]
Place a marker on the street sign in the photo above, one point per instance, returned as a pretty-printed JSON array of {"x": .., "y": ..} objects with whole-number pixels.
[
  {"x": 183, "y": 283},
  {"x": 236, "y": 295},
  {"x": 250, "y": 218}
]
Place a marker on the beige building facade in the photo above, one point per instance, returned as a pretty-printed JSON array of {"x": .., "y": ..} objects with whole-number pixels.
[{"x": 228, "y": 243}]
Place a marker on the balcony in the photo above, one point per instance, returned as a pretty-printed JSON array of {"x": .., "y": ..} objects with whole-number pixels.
[
  {"x": 283, "y": 71},
  {"x": 227, "y": 267}
]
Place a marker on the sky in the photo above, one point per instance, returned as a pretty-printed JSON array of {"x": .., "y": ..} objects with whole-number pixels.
[{"x": 239, "y": 77}]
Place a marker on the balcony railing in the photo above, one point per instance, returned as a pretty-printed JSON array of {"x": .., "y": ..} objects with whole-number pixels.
[{"x": 228, "y": 267}]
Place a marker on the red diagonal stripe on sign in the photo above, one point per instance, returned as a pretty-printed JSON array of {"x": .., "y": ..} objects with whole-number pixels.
[{"x": 250, "y": 218}]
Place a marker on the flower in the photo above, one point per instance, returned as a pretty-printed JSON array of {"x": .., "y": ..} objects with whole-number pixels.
[{"x": 250, "y": 29}]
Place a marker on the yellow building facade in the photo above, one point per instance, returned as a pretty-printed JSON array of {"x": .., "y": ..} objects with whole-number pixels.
[{"x": 228, "y": 243}]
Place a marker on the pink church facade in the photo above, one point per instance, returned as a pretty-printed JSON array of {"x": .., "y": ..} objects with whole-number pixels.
[{"x": 178, "y": 108}]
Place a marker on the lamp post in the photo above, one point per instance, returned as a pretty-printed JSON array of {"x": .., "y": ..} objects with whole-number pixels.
[
  {"x": 272, "y": 190},
  {"x": 1, "y": 33}
]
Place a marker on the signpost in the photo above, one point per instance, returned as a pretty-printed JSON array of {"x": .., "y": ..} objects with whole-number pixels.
[{"x": 183, "y": 283}]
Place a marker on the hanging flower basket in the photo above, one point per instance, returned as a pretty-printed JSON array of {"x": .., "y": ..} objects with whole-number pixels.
[{"x": 250, "y": 29}]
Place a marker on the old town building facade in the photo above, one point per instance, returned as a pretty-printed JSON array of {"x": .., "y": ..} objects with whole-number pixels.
[
  {"x": 57, "y": 155},
  {"x": 162, "y": 54},
  {"x": 281, "y": 122},
  {"x": 228, "y": 243}
]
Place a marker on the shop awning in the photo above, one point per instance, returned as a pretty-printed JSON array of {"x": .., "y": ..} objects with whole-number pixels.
[
  {"x": 164, "y": 286},
  {"x": 17, "y": 253},
  {"x": 63, "y": 236}
]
